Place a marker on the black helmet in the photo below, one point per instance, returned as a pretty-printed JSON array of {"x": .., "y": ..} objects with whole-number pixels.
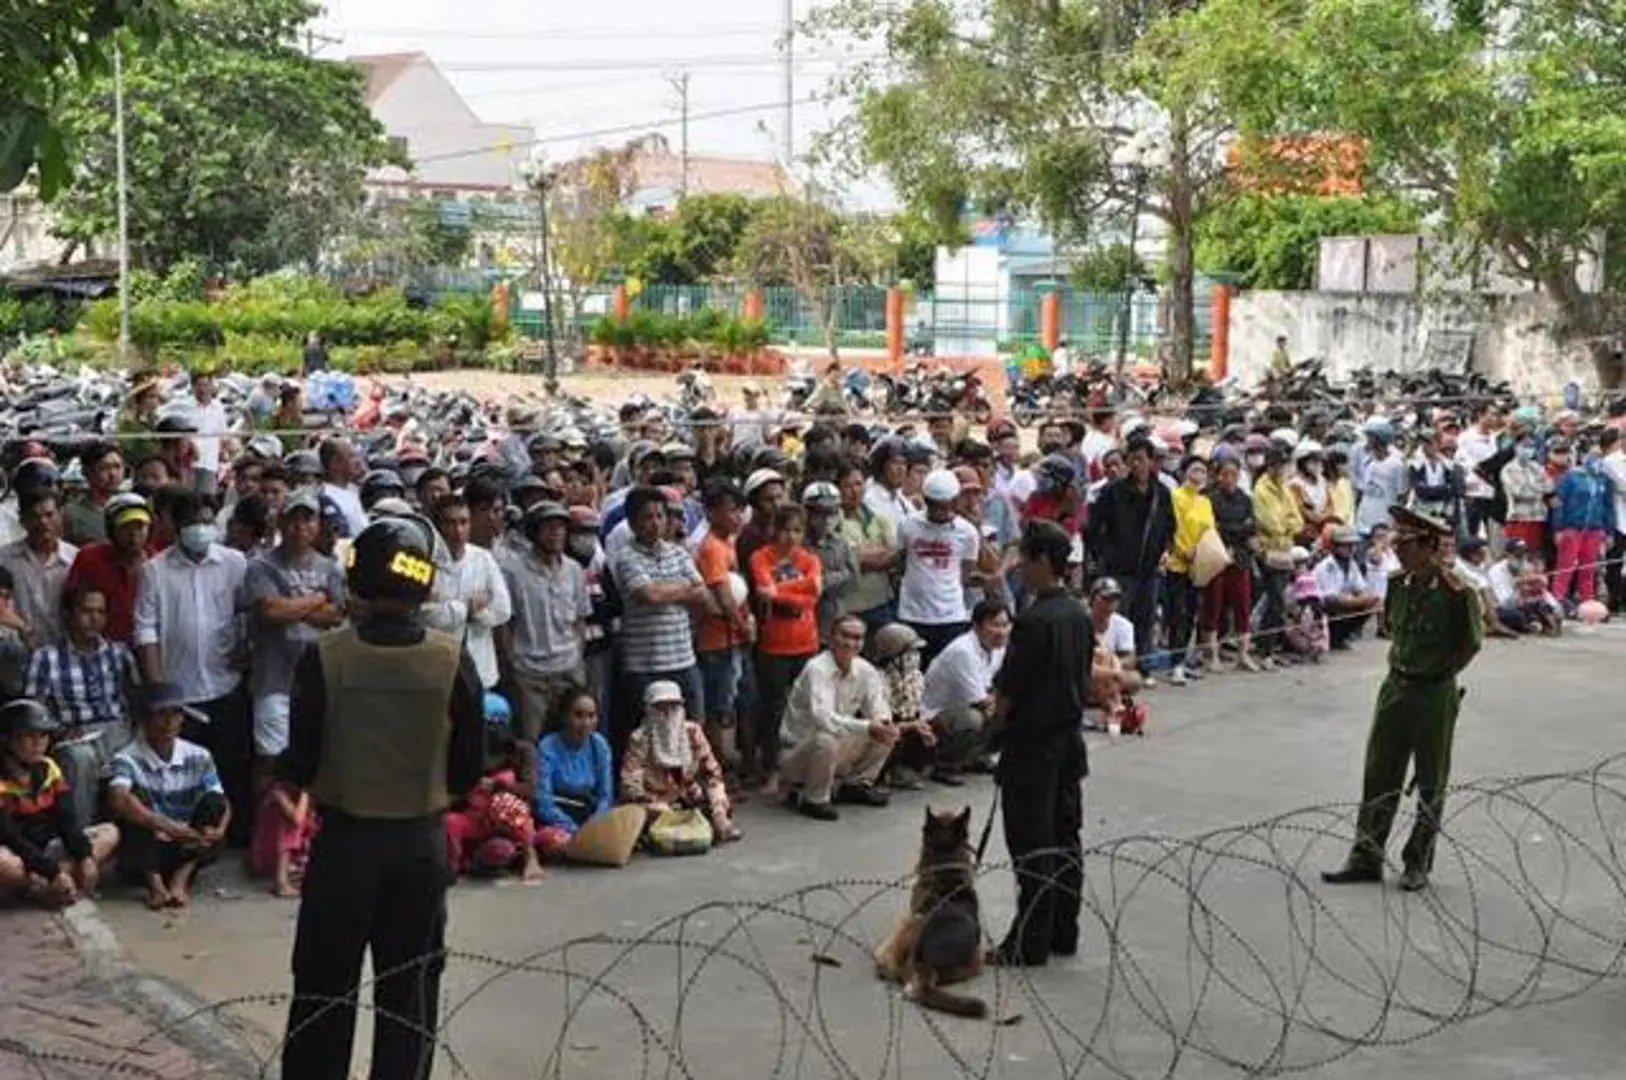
[
  {"x": 27, "y": 715},
  {"x": 392, "y": 559}
]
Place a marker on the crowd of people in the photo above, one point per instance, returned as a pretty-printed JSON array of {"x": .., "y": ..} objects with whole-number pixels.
[{"x": 738, "y": 604}]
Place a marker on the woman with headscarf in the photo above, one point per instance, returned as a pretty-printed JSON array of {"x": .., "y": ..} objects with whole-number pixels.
[{"x": 670, "y": 765}]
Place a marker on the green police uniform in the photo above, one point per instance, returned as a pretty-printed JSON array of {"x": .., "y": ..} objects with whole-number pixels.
[{"x": 1436, "y": 627}]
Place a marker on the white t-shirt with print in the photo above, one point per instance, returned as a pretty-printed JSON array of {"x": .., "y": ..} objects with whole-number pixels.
[{"x": 933, "y": 593}]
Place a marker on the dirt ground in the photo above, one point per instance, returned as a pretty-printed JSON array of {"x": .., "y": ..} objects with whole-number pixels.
[{"x": 605, "y": 386}]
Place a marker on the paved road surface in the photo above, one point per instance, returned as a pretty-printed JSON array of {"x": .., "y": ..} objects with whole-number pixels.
[{"x": 1164, "y": 984}]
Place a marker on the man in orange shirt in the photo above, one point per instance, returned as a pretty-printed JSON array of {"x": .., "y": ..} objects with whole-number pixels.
[
  {"x": 787, "y": 577},
  {"x": 726, "y": 627}
]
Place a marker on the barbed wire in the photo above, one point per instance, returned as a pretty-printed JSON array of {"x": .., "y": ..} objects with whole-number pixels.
[{"x": 1202, "y": 952}]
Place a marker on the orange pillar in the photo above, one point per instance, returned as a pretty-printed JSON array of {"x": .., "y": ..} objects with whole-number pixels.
[
  {"x": 753, "y": 305},
  {"x": 1050, "y": 321},
  {"x": 894, "y": 326},
  {"x": 1219, "y": 359},
  {"x": 623, "y": 303}
]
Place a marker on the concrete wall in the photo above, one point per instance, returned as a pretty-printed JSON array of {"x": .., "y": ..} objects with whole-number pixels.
[{"x": 1512, "y": 336}]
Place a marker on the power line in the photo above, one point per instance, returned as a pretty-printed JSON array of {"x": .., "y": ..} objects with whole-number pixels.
[
  {"x": 624, "y": 129},
  {"x": 693, "y": 30},
  {"x": 658, "y": 63}
]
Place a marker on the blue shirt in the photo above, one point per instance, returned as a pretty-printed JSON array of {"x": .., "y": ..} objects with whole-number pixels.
[{"x": 582, "y": 772}]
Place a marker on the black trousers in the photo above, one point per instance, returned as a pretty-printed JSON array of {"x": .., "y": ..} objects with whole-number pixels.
[
  {"x": 1612, "y": 575},
  {"x": 1139, "y": 606},
  {"x": 378, "y": 885},
  {"x": 142, "y": 853},
  {"x": 1042, "y": 800},
  {"x": 775, "y": 677},
  {"x": 229, "y": 738}
]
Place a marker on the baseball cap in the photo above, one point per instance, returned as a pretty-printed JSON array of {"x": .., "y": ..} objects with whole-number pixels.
[
  {"x": 161, "y": 697},
  {"x": 663, "y": 692},
  {"x": 1106, "y": 587},
  {"x": 306, "y": 498},
  {"x": 968, "y": 478}
]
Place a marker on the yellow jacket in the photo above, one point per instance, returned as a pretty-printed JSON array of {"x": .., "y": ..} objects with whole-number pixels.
[
  {"x": 1276, "y": 512},
  {"x": 1341, "y": 500},
  {"x": 1193, "y": 516}
]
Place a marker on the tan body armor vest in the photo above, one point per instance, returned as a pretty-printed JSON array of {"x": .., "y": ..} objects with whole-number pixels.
[{"x": 388, "y": 726}]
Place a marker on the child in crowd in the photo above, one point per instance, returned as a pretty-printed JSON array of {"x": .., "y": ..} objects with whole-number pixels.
[
  {"x": 283, "y": 831},
  {"x": 494, "y": 830},
  {"x": 1307, "y": 629}
]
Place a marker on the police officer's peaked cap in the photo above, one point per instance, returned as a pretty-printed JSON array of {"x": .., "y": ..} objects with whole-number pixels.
[
  {"x": 392, "y": 559},
  {"x": 1415, "y": 523}
]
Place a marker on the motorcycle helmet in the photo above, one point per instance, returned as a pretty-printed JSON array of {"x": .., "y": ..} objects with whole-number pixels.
[
  {"x": 1056, "y": 471},
  {"x": 822, "y": 496},
  {"x": 392, "y": 559}
]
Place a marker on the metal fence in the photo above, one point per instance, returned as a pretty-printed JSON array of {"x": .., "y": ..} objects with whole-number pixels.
[{"x": 946, "y": 323}]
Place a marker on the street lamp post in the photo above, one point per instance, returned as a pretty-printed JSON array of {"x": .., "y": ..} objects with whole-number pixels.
[
  {"x": 537, "y": 175},
  {"x": 1144, "y": 154}
]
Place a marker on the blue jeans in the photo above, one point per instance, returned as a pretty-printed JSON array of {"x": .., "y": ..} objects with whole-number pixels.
[{"x": 720, "y": 682}]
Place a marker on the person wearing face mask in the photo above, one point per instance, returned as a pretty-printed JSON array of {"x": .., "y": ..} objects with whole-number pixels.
[
  {"x": 1254, "y": 449},
  {"x": 1309, "y": 486},
  {"x": 1276, "y": 513},
  {"x": 1193, "y": 519},
  {"x": 1347, "y": 597},
  {"x": 187, "y": 633},
  {"x": 1583, "y": 516},
  {"x": 1529, "y": 491},
  {"x": 1436, "y": 481}
]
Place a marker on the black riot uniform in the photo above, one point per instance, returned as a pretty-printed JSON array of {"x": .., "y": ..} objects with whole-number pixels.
[
  {"x": 386, "y": 726},
  {"x": 1042, "y": 763}
]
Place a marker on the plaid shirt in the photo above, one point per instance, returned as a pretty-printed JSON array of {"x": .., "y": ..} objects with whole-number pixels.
[{"x": 82, "y": 689}]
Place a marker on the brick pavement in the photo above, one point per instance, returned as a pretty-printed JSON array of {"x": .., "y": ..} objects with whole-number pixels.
[{"x": 60, "y": 1019}]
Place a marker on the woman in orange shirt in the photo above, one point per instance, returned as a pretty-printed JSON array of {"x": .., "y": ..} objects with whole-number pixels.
[{"x": 786, "y": 576}]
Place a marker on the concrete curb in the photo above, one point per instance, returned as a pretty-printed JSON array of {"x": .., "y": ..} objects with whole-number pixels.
[{"x": 184, "y": 1017}]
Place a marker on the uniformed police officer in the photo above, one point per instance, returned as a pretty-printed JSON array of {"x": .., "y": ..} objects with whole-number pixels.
[
  {"x": 1435, "y": 628},
  {"x": 386, "y": 725}
]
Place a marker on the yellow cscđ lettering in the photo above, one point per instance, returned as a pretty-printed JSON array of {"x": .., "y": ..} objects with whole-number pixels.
[{"x": 412, "y": 568}]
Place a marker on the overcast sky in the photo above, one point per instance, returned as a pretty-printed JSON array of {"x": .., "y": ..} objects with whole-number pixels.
[{"x": 571, "y": 67}]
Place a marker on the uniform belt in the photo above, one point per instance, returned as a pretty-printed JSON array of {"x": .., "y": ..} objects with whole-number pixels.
[{"x": 1416, "y": 676}]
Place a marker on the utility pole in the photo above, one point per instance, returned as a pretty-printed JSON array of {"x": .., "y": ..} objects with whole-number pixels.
[
  {"x": 124, "y": 204},
  {"x": 312, "y": 38},
  {"x": 680, "y": 83},
  {"x": 790, "y": 82}
]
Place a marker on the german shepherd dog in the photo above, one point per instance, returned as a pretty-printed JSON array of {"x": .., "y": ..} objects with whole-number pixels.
[{"x": 940, "y": 941}]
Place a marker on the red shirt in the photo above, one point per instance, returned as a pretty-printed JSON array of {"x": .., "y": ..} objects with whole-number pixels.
[
  {"x": 1051, "y": 506},
  {"x": 96, "y": 565},
  {"x": 790, "y": 625}
]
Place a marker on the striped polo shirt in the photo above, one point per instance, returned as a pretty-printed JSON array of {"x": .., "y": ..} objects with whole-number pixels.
[{"x": 655, "y": 637}]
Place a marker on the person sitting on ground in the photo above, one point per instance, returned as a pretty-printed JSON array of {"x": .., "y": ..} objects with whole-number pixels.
[
  {"x": 670, "y": 765},
  {"x": 896, "y": 654},
  {"x": 47, "y": 852},
  {"x": 1524, "y": 611},
  {"x": 1467, "y": 558},
  {"x": 283, "y": 831},
  {"x": 1307, "y": 617},
  {"x": 83, "y": 684},
  {"x": 574, "y": 780},
  {"x": 958, "y": 698},
  {"x": 493, "y": 829},
  {"x": 167, "y": 796},
  {"x": 838, "y": 728},
  {"x": 1114, "y": 678},
  {"x": 1346, "y": 596}
]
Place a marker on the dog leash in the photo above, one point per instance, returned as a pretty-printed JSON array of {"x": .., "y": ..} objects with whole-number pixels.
[{"x": 988, "y": 823}]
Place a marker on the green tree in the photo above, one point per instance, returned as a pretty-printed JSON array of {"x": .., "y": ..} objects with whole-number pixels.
[
  {"x": 1106, "y": 269},
  {"x": 1503, "y": 118},
  {"x": 394, "y": 236},
  {"x": 1274, "y": 241},
  {"x": 243, "y": 151},
  {"x": 586, "y": 222},
  {"x": 1058, "y": 110},
  {"x": 50, "y": 47},
  {"x": 810, "y": 247}
]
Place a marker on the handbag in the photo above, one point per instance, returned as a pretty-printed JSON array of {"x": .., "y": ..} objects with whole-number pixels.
[
  {"x": 1209, "y": 560},
  {"x": 680, "y": 832},
  {"x": 1281, "y": 560}
]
